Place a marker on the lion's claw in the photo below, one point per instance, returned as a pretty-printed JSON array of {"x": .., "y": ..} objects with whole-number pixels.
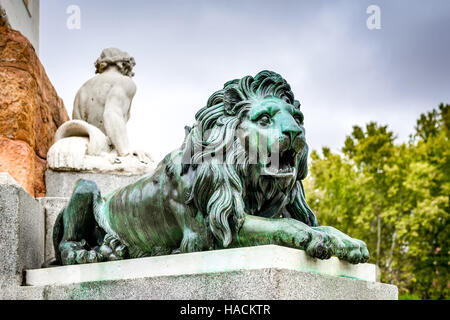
[
  {"x": 344, "y": 247},
  {"x": 113, "y": 249},
  {"x": 355, "y": 251},
  {"x": 73, "y": 252},
  {"x": 319, "y": 246},
  {"x": 316, "y": 244}
]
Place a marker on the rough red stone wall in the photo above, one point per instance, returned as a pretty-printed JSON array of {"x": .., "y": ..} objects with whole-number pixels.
[{"x": 30, "y": 112}]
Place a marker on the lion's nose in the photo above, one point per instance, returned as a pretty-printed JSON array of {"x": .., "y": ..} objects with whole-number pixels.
[
  {"x": 293, "y": 133},
  {"x": 289, "y": 137}
]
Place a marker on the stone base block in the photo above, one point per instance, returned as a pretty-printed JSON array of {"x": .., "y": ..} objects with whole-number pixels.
[
  {"x": 61, "y": 184},
  {"x": 261, "y": 284},
  {"x": 22, "y": 293},
  {"x": 21, "y": 233},
  {"x": 53, "y": 207},
  {"x": 263, "y": 273}
]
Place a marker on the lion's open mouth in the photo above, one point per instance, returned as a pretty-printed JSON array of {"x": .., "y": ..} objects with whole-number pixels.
[{"x": 284, "y": 167}]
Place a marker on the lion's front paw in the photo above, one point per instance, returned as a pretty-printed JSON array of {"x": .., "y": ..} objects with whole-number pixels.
[
  {"x": 316, "y": 244},
  {"x": 356, "y": 251},
  {"x": 73, "y": 252},
  {"x": 346, "y": 248},
  {"x": 320, "y": 246}
]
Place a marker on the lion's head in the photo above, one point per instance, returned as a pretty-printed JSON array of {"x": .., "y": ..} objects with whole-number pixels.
[{"x": 248, "y": 154}]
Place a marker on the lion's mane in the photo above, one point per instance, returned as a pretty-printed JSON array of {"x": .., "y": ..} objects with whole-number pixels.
[{"x": 219, "y": 185}]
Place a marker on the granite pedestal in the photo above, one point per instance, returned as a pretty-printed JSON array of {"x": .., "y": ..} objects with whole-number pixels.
[
  {"x": 22, "y": 233},
  {"x": 264, "y": 272}
]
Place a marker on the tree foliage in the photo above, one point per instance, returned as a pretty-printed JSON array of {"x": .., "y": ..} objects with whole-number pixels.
[{"x": 395, "y": 197}]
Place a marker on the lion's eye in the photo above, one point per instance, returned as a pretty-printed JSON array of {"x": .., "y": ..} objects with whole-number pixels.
[
  {"x": 264, "y": 120},
  {"x": 299, "y": 120}
]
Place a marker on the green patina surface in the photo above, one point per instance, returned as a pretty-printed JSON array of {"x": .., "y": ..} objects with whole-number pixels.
[{"x": 349, "y": 277}]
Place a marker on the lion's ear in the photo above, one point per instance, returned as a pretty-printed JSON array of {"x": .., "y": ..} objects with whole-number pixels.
[{"x": 231, "y": 97}]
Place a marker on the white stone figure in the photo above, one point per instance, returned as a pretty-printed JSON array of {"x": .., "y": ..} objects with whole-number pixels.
[{"x": 96, "y": 140}]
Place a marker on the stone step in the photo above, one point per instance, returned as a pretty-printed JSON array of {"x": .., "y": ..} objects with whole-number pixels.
[
  {"x": 250, "y": 258},
  {"x": 264, "y": 272}
]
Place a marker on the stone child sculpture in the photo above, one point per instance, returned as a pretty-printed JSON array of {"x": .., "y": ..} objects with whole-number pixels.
[
  {"x": 100, "y": 113},
  {"x": 194, "y": 201}
]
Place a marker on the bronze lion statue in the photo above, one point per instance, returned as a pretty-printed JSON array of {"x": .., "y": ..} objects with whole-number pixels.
[{"x": 235, "y": 181}]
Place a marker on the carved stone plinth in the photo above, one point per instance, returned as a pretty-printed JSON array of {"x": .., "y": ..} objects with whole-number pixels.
[{"x": 265, "y": 272}]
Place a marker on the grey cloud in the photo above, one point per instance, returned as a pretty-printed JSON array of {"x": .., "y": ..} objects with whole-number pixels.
[{"x": 342, "y": 73}]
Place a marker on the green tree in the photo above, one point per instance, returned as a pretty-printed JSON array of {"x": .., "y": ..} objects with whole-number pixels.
[
  {"x": 393, "y": 196},
  {"x": 427, "y": 230}
]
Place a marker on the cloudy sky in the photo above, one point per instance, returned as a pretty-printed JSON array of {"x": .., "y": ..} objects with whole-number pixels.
[{"x": 343, "y": 73}]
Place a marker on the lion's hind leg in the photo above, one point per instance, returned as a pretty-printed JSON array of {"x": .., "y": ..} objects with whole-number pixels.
[{"x": 78, "y": 234}]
